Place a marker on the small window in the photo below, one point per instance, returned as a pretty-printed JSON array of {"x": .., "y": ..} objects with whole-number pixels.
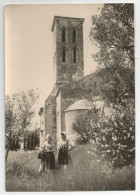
[
  {"x": 64, "y": 55},
  {"x": 63, "y": 35},
  {"x": 74, "y": 36},
  {"x": 74, "y": 55}
]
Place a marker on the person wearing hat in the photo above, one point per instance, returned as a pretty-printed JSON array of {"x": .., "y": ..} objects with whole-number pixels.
[
  {"x": 64, "y": 157},
  {"x": 48, "y": 163}
]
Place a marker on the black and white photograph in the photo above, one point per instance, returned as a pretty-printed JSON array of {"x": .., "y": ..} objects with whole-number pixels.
[{"x": 69, "y": 97}]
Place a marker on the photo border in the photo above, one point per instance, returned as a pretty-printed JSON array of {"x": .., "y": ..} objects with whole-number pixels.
[{"x": 3, "y": 3}]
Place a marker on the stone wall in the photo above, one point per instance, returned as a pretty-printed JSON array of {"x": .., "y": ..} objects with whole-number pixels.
[
  {"x": 85, "y": 88},
  {"x": 58, "y": 116},
  {"x": 61, "y": 105},
  {"x": 66, "y": 102},
  {"x": 68, "y": 70},
  {"x": 62, "y": 96},
  {"x": 50, "y": 115}
]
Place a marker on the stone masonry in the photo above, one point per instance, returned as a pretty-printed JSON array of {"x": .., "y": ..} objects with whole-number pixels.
[
  {"x": 70, "y": 84},
  {"x": 68, "y": 48}
]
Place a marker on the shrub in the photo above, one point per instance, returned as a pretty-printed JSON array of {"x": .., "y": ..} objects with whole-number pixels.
[
  {"x": 113, "y": 136},
  {"x": 82, "y": 127}
]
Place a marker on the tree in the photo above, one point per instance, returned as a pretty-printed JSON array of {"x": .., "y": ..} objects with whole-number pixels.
[
  {"x": 113, "y": 29},
  {"x": 113, "y": 32},
  {"x": 112, "y": 136},
  {"x": 116, "y": 84},
  {"x": 18, "y": 114}
]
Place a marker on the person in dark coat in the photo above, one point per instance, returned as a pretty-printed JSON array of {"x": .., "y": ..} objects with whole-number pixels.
[{"x": 64, "y": 148}]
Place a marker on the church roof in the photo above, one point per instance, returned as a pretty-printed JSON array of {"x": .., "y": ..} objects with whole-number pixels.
[
  {"x": 81, "y": 104},
  {"x": 63, "y": 17},
  {"x": 86, "y": 87}
]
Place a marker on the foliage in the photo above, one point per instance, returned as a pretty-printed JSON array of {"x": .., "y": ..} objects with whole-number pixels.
[
  {"x": 18, "y": 114},
  {"x": 113, "y": 136},
  {"x": 113, "y": 32},
  {"x": 117, "y": 84},
  {"x": 31, "y": 139},
  {"x": 82, "y": 127},
  {"x": 113, "y": 29}
]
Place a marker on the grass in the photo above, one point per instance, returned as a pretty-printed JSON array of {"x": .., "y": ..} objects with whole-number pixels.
[{"x": 86, "y": 174}]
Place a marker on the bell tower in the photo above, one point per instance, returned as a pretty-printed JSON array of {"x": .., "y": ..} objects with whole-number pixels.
[{"x": 68, "y": 48}]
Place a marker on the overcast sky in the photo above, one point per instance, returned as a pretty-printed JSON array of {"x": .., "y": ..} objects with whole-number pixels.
[{"x": 29, "y": 44}]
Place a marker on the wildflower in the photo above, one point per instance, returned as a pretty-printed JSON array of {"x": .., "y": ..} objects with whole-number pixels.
[
  {"x": 104, "y": 138},
  {"x": 114, "y": 137},
  {"x": 128, "y": 134},
  {"x": 124, "y": 137},
  {"x": 119, "y": 145},
  {"x": 132, "y": 137},
  {"x": 131, "y": 150}
]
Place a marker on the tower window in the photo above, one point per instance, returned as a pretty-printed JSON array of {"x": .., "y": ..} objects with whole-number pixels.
[
  {"x": 74, "y": 36},
  {"x": 74, "y": 55},
  {"x": 63, "y": 35},
  {"x": 64, "y": 55}
]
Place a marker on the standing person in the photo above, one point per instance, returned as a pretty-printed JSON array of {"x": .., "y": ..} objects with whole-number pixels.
[
  {"x": 64, "y": 157},
  {"x": 48, "y": 162}
]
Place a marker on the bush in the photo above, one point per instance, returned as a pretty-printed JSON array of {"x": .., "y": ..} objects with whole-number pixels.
[
  {"x": 113, "y": 136},
  {"x": 82, "y": 127}
]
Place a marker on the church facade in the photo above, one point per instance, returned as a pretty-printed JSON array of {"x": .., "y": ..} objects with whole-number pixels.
[{"x": 73, "y": 94}]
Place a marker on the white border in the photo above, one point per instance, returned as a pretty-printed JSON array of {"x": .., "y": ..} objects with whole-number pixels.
[{"x": 137, "y": 55}]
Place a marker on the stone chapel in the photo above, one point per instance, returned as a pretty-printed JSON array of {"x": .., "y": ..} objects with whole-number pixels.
[{"x": 73, "y": 94}]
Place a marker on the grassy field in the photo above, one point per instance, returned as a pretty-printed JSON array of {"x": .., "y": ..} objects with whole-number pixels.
[{"x": 87, "y": 173}]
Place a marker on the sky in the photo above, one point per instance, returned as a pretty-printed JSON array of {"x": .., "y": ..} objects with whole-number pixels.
[{"x": 29, "y": 45}]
